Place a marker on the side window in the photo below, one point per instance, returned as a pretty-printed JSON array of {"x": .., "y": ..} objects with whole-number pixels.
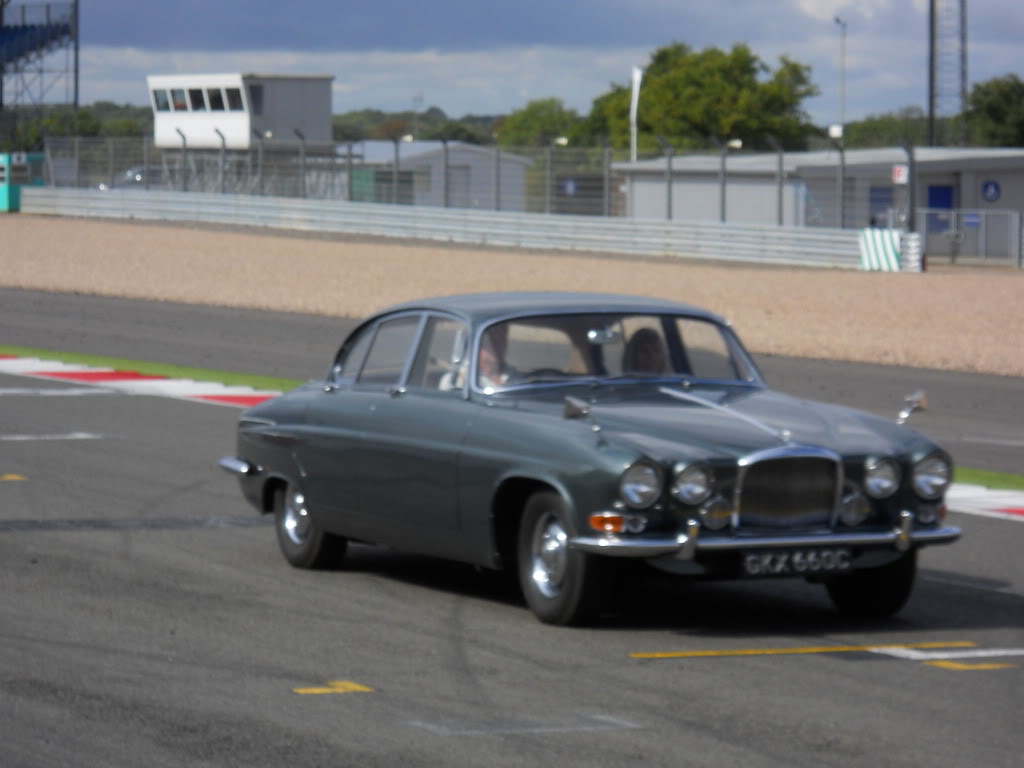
[
  {"x": 351, "y": 360},
  {"x": 389, "y": 352},
  {"x": 195, "y": 98},
  {"x": 234, "y": 99},
  {"x": 178, "y": 100},
  {"x": 216, "y": 98},
  {"x": 707, "y": 350},
  {"x": 163, "y": 104},
  {"x": 441, "y": 362}
]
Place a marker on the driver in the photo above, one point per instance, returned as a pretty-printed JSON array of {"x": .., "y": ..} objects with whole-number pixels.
[{"x": 492, "y": 370}]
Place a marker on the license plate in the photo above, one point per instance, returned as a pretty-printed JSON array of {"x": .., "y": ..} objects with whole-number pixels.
[{"x": 796, "y": 562}]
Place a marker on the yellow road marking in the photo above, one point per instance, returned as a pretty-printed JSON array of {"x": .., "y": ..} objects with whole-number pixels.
[
  {"x": 791, "y": 651},
  {"x": 11, "y": 478},
  {"x": 960, "y": 666},
  {"x": 336, "y": 686}
]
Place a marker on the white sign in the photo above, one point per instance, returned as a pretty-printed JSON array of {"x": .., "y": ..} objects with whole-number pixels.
[{"x": 900, "y": 173}]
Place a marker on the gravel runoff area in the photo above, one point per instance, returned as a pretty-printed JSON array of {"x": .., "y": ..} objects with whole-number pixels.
[{"x": 949, "y": 318}]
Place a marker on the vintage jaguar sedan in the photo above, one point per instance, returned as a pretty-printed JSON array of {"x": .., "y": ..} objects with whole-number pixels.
[{"x": 556, "y": 434}]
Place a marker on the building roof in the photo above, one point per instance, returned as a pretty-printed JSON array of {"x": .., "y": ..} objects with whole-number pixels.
[
  {"x": 805, "y": 163},
  {"x": 382, "y": 151}
]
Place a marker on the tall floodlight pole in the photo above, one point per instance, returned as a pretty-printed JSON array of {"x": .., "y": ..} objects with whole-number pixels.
[
  {"x": 931, "y": 73},
  {"x": 842, "y": 70}
]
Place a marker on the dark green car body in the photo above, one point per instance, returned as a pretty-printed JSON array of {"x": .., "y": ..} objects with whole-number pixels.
[{"x": 562, "y": 470}]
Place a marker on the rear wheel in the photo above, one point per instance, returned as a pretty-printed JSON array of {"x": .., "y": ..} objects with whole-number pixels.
[
  {"x": 875, "y": 592},
  {"x": 560, "y": 585},
  {"x": 303, "y": 543}
]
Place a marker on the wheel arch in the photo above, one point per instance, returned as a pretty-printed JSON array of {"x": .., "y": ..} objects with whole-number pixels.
[{"x": 507, "y": 509}]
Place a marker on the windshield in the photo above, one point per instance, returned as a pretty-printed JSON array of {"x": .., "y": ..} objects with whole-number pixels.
[{"x": 596, "y": 347}]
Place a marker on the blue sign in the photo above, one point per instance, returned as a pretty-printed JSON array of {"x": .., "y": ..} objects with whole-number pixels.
[
  {"x": 990, "y": 191},
  {"x": 972, "y": 220}
]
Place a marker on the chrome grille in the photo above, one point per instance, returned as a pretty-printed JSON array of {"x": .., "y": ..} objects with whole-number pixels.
[{"x": 792, "y": 492}]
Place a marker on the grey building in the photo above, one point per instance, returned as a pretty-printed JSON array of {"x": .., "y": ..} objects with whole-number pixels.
[{"x": 968, "y": 202}]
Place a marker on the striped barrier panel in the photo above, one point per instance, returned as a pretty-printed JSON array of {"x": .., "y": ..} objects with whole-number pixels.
[{"x": 880, "y": 250}]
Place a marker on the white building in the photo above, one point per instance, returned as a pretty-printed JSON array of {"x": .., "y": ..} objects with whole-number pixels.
[{"x": 236, "y": 111}]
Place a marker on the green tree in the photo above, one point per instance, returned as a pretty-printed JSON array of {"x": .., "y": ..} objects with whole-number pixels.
[
  {"x": 693, "y": 98},
  {"x": 996, "y": 115},
  {"x": 537, "y": 124},
  {"x": 909, "y": 124}
]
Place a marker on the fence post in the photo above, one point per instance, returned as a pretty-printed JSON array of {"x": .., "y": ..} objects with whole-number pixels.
[
  {"x": 547, "y": 179},
  {"x": 348, "y": 171},
  {"x": 606, "y": 191},
  {"x": 78, "y": 164},
  {"x": 302, "y": 162},
  {"x": 497, "y": 177},
  {"x": 444, "y": 173},
  {"x": 145, "y": 163},
  {"x": 110, "y": 162}
]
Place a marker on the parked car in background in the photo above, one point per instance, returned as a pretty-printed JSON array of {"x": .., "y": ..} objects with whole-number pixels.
[{"x": 558, "y": 434}]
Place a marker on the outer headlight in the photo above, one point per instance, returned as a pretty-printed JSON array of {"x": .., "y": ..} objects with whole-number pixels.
[
  {"x": 640, "y": 485},
  {"x": 691, "y": 485},
  {"x": 881, "y": 478},
  {"x": 931, "y": 477}
]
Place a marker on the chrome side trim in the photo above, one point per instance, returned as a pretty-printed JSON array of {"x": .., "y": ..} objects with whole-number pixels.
[
  {"x": 685, "y": 545},
  {"x": 237, "y": 466}
]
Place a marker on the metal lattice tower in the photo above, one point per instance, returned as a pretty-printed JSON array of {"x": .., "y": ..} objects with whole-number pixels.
[
  {"x": 38, "y": 53},
  {"x": 947, "y": 75}
]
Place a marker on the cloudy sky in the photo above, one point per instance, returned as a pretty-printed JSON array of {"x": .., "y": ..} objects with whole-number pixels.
[{"x": 486, "y": 57}]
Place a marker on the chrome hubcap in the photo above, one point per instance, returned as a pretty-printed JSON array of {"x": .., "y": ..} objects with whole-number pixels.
[
  {"x": 548, "y": 555},
  {"x": 295, "y": 521}
]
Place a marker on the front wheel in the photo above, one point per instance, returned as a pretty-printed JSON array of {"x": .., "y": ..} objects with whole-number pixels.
[
  {"x": 875, "y": 592},
  {"x": 560, "y": 585},
  {"x": 303, "y": 543}
]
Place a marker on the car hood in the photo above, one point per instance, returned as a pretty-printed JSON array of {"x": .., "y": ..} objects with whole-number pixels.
[{"x": 669, "y": 422}]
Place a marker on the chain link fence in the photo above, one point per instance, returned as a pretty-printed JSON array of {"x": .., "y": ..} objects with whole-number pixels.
[
  {"x": 729, "y": 187},
  {"x": 454, "y": 175}
]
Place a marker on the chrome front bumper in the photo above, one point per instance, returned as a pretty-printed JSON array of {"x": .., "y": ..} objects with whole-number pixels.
[
  {"x": 237, "y": 466},
  {"x": 685, "y": 545}
]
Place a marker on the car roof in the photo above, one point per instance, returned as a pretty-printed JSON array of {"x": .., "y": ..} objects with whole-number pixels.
[{"x": 482, "y": 308}]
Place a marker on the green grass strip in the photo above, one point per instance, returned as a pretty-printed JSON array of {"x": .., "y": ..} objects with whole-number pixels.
[
  {"x": 999, "y": 481},
  {"x": 157, "y": 369},
  {"x": 994, "y": 480}
]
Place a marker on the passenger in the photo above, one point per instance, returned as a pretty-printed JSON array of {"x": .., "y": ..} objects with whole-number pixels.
[
  {"x": 644, "y": 353},
  {"x": 492, "y": 370}
]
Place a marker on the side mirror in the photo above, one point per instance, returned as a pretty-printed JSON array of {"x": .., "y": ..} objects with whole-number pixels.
[{"x": 916, "y": 401}]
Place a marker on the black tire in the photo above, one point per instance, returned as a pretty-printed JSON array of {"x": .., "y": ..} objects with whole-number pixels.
[
  {"x": 560, "y": 585},
  {"x": 303, "y": 543},
  {"x": 875, "y": 592}
]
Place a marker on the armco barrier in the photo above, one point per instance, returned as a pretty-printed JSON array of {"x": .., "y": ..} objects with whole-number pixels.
[{"x": 810, "y": 247}]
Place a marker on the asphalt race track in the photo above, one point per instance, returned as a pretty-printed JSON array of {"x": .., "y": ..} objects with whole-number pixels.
[{"x": 148, "y": 619}]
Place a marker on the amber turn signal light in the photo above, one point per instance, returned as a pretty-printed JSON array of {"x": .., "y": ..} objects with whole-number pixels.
[{"x": 608, "y": 522}]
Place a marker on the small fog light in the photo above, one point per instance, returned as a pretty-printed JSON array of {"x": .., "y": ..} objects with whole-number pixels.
[
  {"x": 927, "y": 515},
  {"x": 854, "y": 510},
  {"x": 716, "y": 514}
]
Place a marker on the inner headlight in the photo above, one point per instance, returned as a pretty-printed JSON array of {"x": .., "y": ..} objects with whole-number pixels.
[
  {"x": 881, "y": 478},
  {"x": 931, "y": 477},
  {"x": 691, "y": 485},
  {"x": 640, "y": 485}
]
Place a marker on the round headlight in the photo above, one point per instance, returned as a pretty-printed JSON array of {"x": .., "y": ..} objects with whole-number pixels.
[
  {"x": 881, "y": 478},
  {"x": 640, "y": 485},
  {"x": 691, "y": 485},
  {"x": 931, "y": 477}
]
